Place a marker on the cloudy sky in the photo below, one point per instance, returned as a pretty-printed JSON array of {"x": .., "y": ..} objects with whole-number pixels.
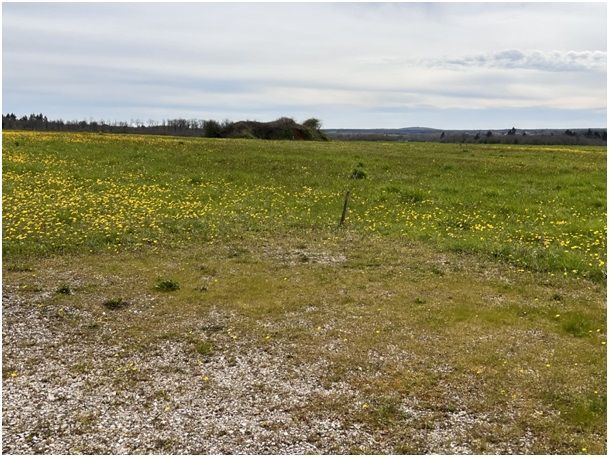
[{"x": 352, "y": 65}]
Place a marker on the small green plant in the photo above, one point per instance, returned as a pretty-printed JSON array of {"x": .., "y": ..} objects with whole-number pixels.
[
  {"x": 577, "y": 326},
  {"x": 411, "y": 196},
  {"x": 16, "y": 267},
  {"x": 166, "y": 285},
  {"x": 64, "y": 289},
  {"x": 87, "y": 420},
  {"x": 204, "y": 347},
  {"x": 115, "y": 303},
  {"x": 358, "y": 172}
]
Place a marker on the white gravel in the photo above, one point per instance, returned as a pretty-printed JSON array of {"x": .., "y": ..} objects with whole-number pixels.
[{"x": 65, "y": 391}]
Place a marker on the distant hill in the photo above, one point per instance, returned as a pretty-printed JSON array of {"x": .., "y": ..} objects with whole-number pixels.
[
  {"x": 418, "y": 130},
  {"x": 402, "y": 131},
  {"x": 590, "y": 136}
]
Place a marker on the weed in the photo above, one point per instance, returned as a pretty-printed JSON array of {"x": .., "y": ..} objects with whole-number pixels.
[
  {"x": 576, "y": 325},
  {"x": 205, "y": 348},
  {"x": 166, "y": 285},
  {"x": 435, "y": 270},
  {"x": 358, "y": 172},
  {"x": 19, "y": 267},
  {"x": 64, "y": 289},
  {"x": 411, "y": 196},
  {"x": 87, "y": 420},
  {"x": 115, "y": 303},
  {"x": 387, "y": 410}
]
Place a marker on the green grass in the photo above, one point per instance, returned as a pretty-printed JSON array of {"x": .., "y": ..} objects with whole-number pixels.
[
  {"x": 464, "y": 281},
  {"x": 541, "y": 208}
]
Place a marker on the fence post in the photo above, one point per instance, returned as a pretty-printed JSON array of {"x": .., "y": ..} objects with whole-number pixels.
[{"x": 345, "y": 206}]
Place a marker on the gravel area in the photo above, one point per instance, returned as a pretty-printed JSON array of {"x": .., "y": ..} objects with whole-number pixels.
[
  {"x": 74, "y": 383},
  {"x": 65, "y": 390}
]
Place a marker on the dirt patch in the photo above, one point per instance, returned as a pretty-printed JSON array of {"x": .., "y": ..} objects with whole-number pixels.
[{"x": 303, "y": 256}]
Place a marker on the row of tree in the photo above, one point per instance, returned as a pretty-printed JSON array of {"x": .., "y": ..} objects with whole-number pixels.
[
  {"x": 283, "y": 128},
  {"x": 287, "y": 128}
]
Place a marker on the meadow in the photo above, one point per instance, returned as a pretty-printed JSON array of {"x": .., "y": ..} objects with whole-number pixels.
[{"x": 460, "y": 308}]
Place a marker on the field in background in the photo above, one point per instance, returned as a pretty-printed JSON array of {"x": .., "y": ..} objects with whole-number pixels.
[
  {"x": 460, "y": 309},
  {"x": 541, "y": 208}
]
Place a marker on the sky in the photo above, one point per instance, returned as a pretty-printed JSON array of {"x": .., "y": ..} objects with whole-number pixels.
[{"x": 352, "y": 65}]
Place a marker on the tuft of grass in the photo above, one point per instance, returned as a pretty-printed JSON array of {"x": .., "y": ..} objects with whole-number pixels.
[
  {"x": 167, "y": 285},
  {"x": 115, "y": 303},
  {"x": 87, "y": 420},
  {"x": 19, "y": 268},
  {"x": 205, "y": 348},
  {"x": 386, "y": 411},
  {"x": 358, "y": 172},
  {"x": 576, "y": 325},
  {"x": 411, "y": 196},
  {"x": 64, "y": 289}
]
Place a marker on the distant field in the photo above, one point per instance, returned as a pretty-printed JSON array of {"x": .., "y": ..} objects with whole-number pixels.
[
  {"x": 541, "y": 208},
  {"x": 186, "y": 295}
]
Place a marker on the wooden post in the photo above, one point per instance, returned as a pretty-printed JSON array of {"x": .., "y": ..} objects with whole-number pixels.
[{"x": 345, "y": 206}]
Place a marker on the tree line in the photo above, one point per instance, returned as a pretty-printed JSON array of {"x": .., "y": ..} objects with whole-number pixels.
[{"x": 282, "y": 128}]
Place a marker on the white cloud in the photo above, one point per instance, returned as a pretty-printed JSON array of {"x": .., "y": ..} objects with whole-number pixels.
[
  {"x": 587, "y": 60},
  {"x": 348, "y": 61}
]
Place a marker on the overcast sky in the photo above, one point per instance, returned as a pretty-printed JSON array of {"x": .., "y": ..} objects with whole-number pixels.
[{"x": 352, "y": 65}]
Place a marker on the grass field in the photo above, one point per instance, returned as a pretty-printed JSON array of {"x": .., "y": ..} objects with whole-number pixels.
[{"x": 461, "y": 308}]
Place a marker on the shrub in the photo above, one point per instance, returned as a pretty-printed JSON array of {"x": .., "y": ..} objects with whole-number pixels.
[{"x": 358, "y": 172}]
